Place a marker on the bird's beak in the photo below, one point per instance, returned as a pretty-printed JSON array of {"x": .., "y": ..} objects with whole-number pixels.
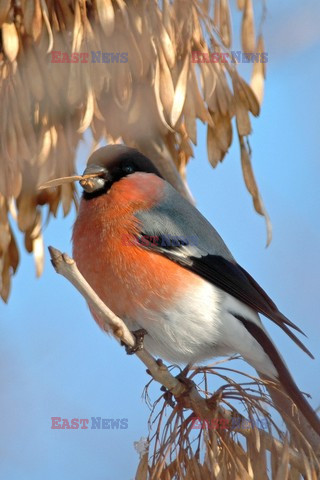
[{"x": 99, "y": 177}]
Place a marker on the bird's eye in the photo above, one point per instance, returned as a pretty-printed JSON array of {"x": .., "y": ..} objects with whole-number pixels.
[{"x": 128, "y": 168}]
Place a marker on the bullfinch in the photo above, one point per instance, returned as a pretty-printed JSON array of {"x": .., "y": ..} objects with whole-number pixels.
[{"x": 159, "y": 265}]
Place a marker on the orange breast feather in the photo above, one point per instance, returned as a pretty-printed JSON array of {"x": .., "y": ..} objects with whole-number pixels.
[{"x": 128, "y": 278}]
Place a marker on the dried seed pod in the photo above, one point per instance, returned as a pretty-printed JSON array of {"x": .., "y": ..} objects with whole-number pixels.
[
  {"x": 225, "y": 23},
  {"x": 259, "y": 71},
  {"x": 252, "y": 187},
  {"x": 166, "y": 84},
  {"x": 4, "y": 10},
  {"x": 106, "y": 16},
  {"x": 180, "y": 92},
  {"x": 247, "y": 34},
  {"x": 10, "y": 40},
  {"x": 219, "y": 138},
  {"x": 61, "y": 74}
]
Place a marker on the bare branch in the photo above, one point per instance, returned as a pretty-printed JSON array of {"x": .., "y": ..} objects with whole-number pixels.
[
  {"x": 186, "y": 396},
  {"x": 66, "y": 266}
]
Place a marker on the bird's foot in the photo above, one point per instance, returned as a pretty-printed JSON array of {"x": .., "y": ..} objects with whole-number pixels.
[
  {"x": 182, "y": 377},
  {"x": 139, "y": 336},
  {"x": 183, "y": 374}
]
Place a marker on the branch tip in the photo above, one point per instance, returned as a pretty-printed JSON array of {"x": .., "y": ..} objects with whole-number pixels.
[{"x": 55, "y": 256}]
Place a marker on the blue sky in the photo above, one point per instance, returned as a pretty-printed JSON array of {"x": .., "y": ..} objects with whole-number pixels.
[{"x": 54, "y": 359}]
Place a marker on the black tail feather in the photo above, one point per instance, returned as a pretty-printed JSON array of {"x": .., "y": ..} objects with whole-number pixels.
[{"x": 284, "y": 375}]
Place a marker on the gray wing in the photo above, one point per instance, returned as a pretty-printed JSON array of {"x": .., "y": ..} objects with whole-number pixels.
[
  {"x": 174, "y": 218},
  {"x": 177, "y": 230}
]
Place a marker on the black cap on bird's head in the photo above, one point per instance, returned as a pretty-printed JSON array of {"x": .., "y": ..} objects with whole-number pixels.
[{"x": 111, "y": 163}]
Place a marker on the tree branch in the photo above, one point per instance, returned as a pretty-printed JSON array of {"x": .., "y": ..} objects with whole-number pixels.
[{"x": 188, "y": 396}]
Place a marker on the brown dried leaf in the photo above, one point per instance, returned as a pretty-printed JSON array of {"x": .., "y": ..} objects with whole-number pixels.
[
  {"x": 129, "y": 44},
  {"x": 199, "y": 104},
  {"x": 283, "y": 468},
  {"x": 45, "y": 15},
  {"x": 26, "y": 212},
  {"x": 180, "y": 92},
  {"x": 248, "y": 96},
  {"x": 139, "y": 28},
  {"x": 5, "y": 280},
  {"x": 216, "y": 14},
  {"x": 67, "y": 13},
  {"x": 4, "y": 10},
  {"x": 66, "y": 198},
  {"x": 75, "y": 87},
  {"x": 10, "y": 178},
  {"x": 197, "y": 32},
  {"x": 13, "y": 252},
  {"x": 33, "y": 73},
  {"x": 38, "y": 253},
  {"x": 158, "y": 98},
  {"x": 45, "y": 142},
  {"x": 142, "y": 471},
  {"x": 222, "y": 100},
  {"x": 219, "y": 138},
  {"x": 247, "y": 31},
  {"x": 223, "y": 129},
  {"x": 214, "y": 153},
  {"x": 106, "y": 16},
  {"x": 189, "y": 114},
  {"x": 28, "y": 11},
  {"x": 88, "y": 113},
  {"x": 209, "y": 81},
  {"x": 167, "y": 18},
  {"x": 124, "y": 11},
  {"x": 225, "y": 23},
  {"x": 244, "y": 100},
  {"x": 258, "y": 73},
  {"x": 5, "y": 238},
  {"x": 252, "y": 186},
  {"x": 24, "y": 152},
  {"x": 166, "y": 85},
  {"x": 167, "y": 46},
  {"x": 36, "y": 21},
  {"x": 78, "y": 29},
  {"x": 242, "y": 118},
  {"x": 10, "y": 40},
  {"x": 12, "y": 141},
  {"x": 121, "y": 86}
]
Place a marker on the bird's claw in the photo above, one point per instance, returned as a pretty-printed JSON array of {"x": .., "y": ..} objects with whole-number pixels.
[
  {"x": 187, "y": 382},
  {"x": 139, "y": 336}
]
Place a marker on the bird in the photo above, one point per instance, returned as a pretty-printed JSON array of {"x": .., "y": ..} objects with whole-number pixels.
[{"x": 159, "y": 265}]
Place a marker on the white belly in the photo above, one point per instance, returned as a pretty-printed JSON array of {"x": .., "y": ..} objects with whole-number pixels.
[{"x": 199, "y": 327}]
